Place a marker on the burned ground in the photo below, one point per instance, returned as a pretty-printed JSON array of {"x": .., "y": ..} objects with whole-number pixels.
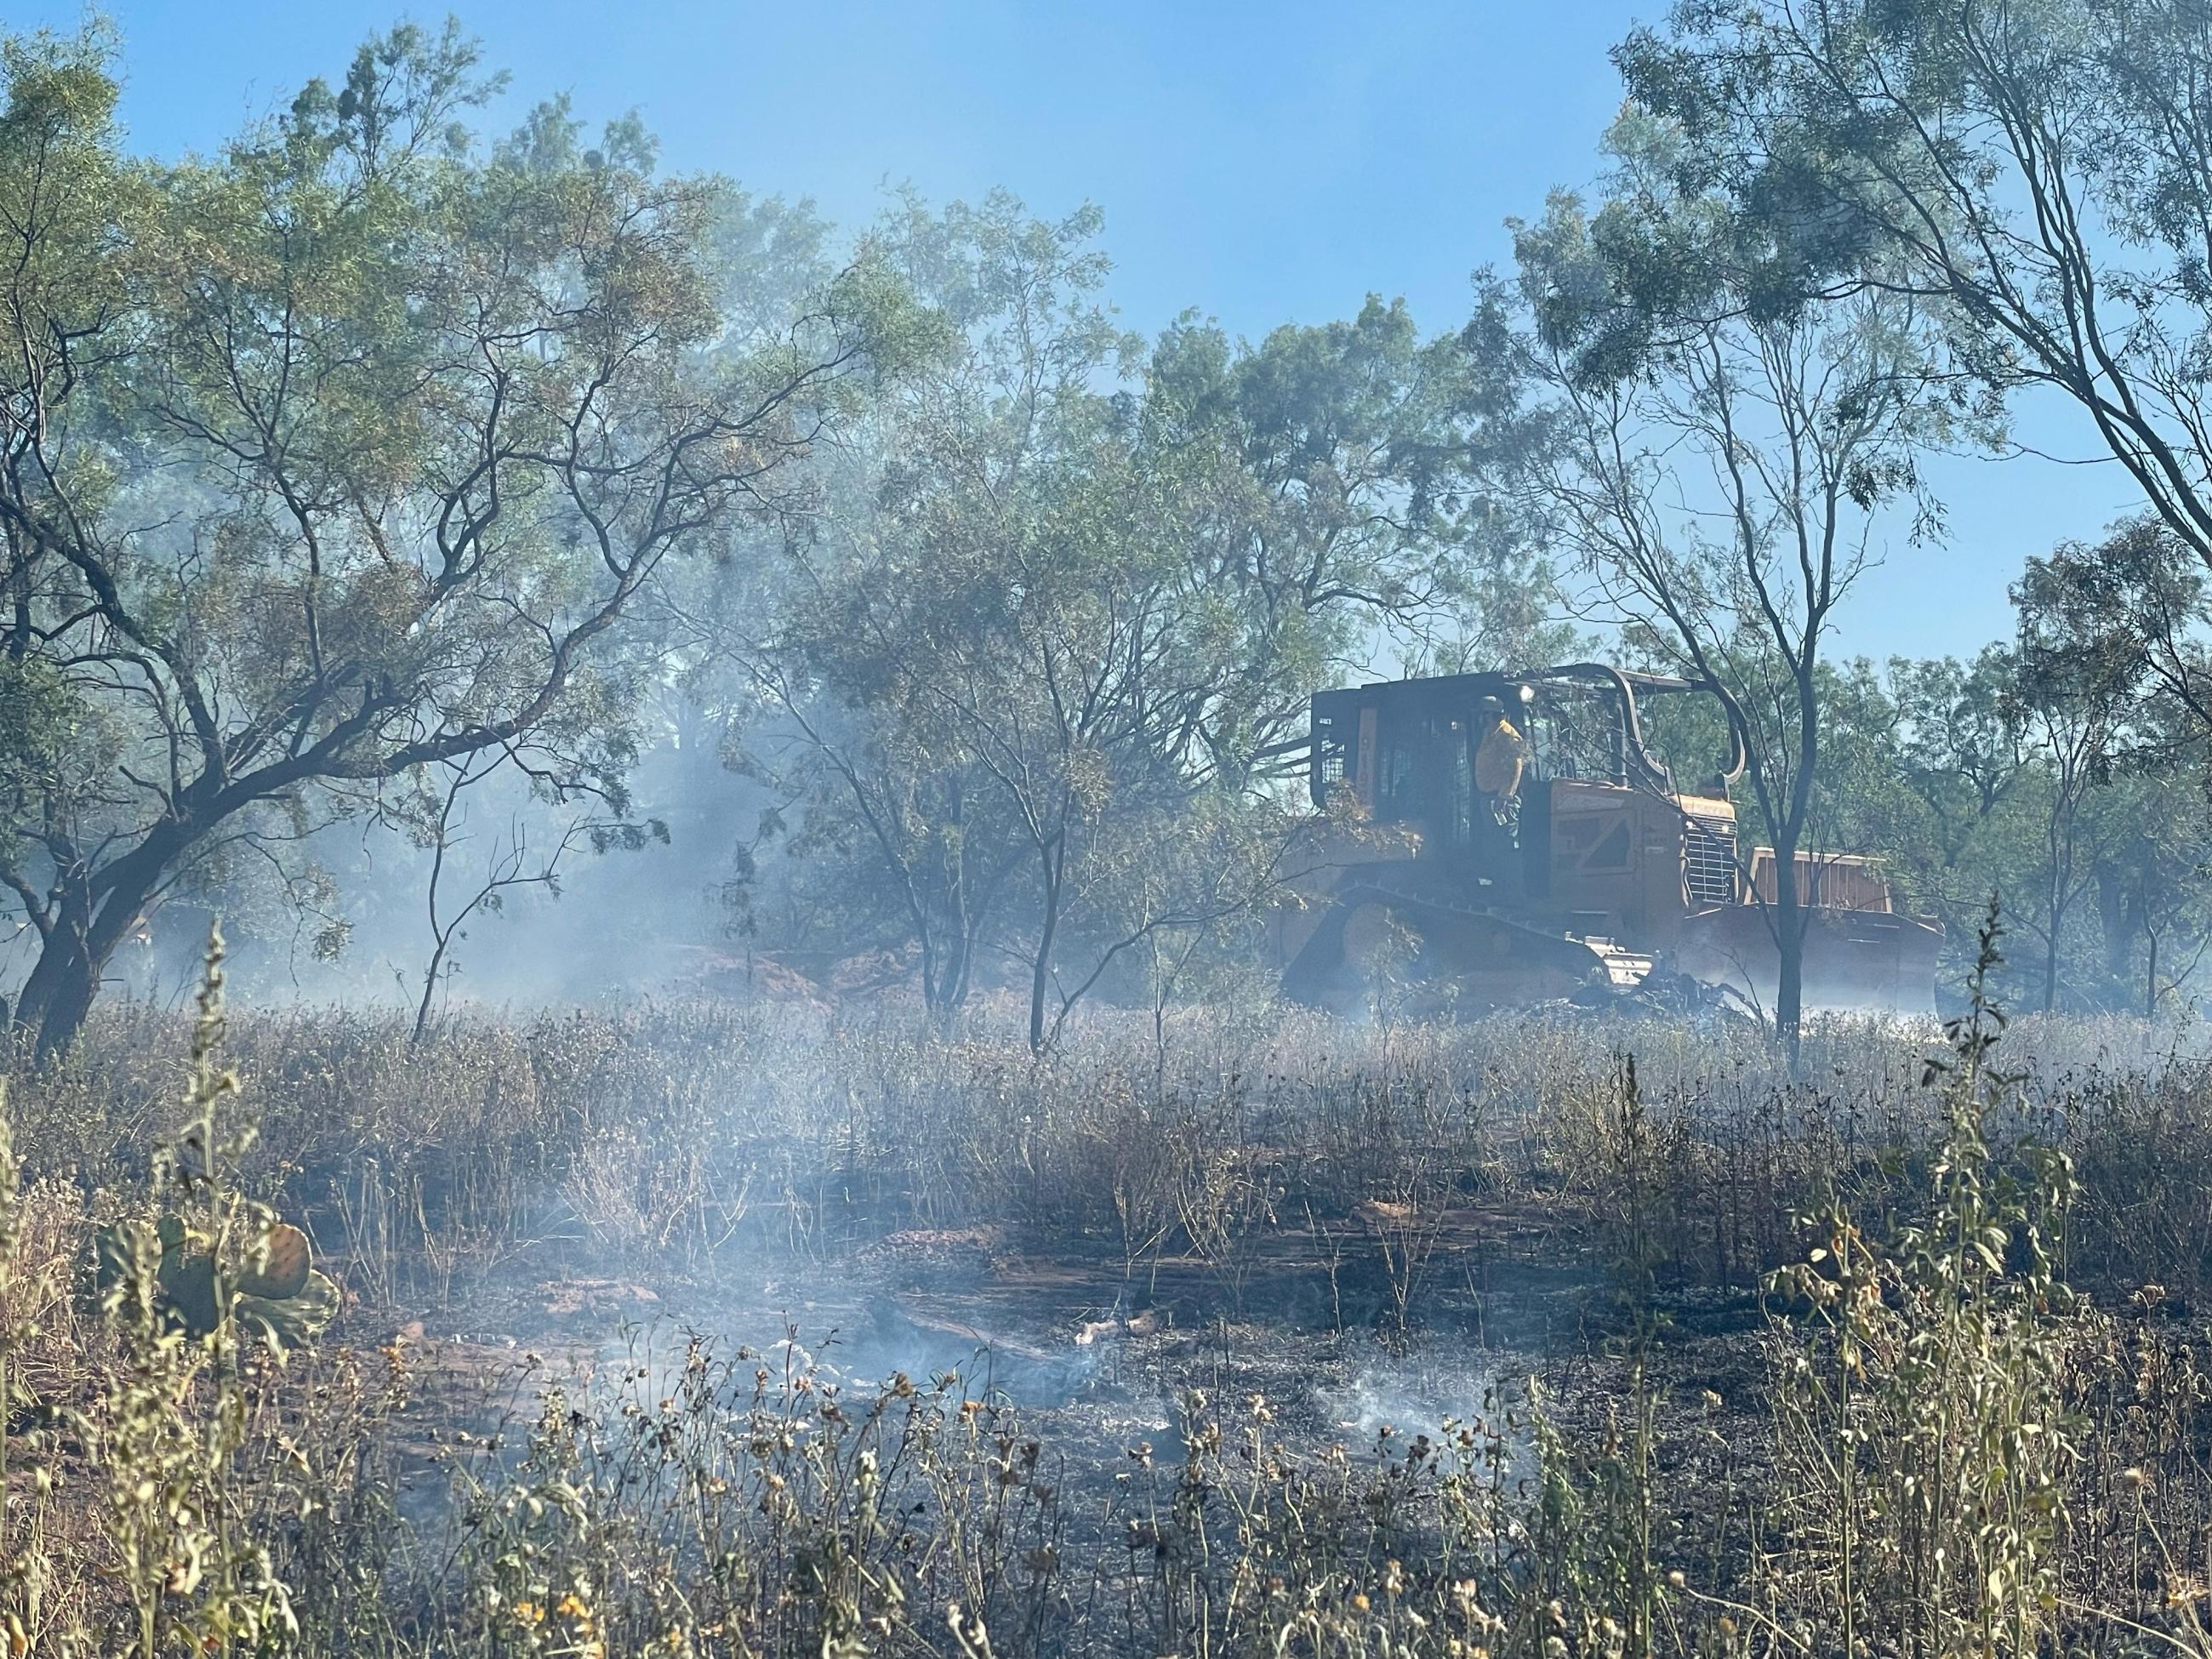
[{"x": 752, "y": 1335}]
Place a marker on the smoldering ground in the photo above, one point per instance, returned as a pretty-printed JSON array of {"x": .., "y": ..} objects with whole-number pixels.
[{"x": 636, "y": 1271}]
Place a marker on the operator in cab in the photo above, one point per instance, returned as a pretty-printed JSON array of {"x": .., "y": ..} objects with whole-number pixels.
[{"x": 1501, "y": 752}]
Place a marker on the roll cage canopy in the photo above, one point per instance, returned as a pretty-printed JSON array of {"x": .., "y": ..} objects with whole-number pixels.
[{"x": 1582, "y": 719}]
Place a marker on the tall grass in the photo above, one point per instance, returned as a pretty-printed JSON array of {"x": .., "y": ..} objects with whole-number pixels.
[
  {"x": 1982, "y": 1425},
  {"x": 658, "y": 1134}
]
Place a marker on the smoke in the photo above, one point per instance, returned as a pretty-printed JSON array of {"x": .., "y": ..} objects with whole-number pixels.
[
  {"x": 1410, "y": 1393},
  {"x": 866, "y": 1354},
  {"x": 624, "y": 920}
]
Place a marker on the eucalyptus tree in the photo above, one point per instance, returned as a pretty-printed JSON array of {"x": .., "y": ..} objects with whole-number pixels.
[
  {"x": 2041, "y": 169},
  {"x": 2053, "y": 771},
  {"x": 2109, "y": 684},
  {"x": 1001, "y": 671},
  {"x": 1718, "y": 464},
  {"x": 341, "y": 454},
  {"x": 1953, "y": 748}
]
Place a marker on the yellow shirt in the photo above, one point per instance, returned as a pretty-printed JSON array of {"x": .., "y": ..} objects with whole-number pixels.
[{"x": 1499, "y": 760}]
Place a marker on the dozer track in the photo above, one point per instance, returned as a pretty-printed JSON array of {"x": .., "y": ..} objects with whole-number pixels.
[{"x": 1446, "y": 954}]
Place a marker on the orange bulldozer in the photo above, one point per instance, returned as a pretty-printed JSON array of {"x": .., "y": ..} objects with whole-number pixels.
[{"x": 1496, "y": 840}]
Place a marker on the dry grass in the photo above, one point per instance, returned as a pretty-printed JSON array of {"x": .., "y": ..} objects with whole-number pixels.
[{"x": 1985, "y": 1430}]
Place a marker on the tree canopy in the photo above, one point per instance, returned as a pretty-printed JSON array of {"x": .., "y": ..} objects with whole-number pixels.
[
  {"x": 342, "y": 453},
  {"x": 378, "y": 456}
]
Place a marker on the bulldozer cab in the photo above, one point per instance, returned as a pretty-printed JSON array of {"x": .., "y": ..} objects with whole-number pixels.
[{"x": 1532, "y": 792}]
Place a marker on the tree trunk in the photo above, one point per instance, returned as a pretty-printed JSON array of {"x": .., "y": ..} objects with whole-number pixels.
[
  {"x": 933, "y": 993},
  {"x": 1789, "y": 949},
  {"x": 59, "y": 993},
  {"x": 1791, "y": 919},
  {"x": 429, "y": 993},
  {"x": 1040, "y": 976},
  {"x": 1041, "y": 971},
  {"x": 2057, "y": 900},
  {"x": 69, "y": 1000},
  {"x": 2113, "y": 923},
  {"x": 56, "y": 978}
]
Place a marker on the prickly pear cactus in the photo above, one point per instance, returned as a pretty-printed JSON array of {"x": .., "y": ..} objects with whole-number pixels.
[{"x": 278, "y": 1294}]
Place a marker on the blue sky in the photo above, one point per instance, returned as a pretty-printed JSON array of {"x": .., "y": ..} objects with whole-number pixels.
[{"x": 1263, "y": 163}]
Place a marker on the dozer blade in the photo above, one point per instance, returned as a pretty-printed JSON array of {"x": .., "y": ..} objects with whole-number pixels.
[
  {"x": 1856, "y": 961},
  {"x": 1433, "y": 957}
]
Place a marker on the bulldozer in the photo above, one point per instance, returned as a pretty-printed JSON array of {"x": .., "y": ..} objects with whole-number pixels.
[{"x": 1495, "y": 840}]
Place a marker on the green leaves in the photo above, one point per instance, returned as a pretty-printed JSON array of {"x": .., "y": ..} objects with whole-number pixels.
[
  {"x": 1925, "y": 1404},
  {"x": 1076, "y": 586},
  {"x": 2033, "y": 174},
  {"x": 350, "y": 450}
]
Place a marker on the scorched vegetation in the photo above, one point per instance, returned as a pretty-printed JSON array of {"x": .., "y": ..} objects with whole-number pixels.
[{"x": 1902, "y": 1349}]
